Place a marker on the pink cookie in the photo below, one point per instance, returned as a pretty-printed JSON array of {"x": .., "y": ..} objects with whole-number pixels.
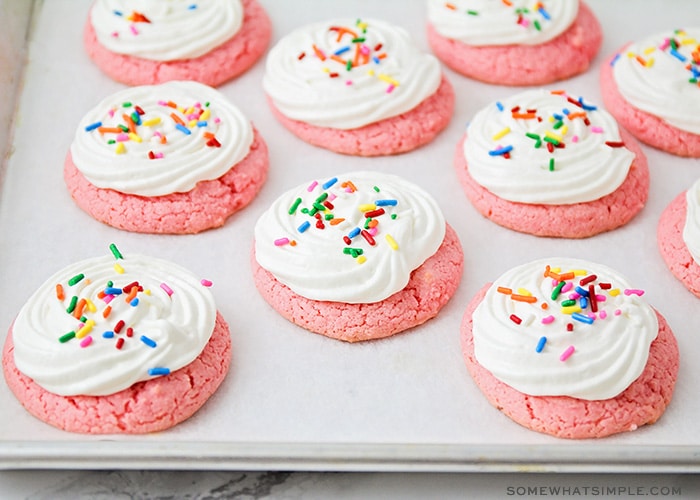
[
  {"x": 430, "y": 287},
  {"x": 357, "y": 87},
  {"x": 673, "y": 249},
  {"x": 150, "y": 406},
  {"x": 221, "y": 63},
  {"x": 646, "y": 127},
  {"x": 206, "y": 206},
  {"x": 171, "y": 158},
  {"x": 399, "y": 134},
  {"x": 567, "y": 55},
  {"x": 642, "y": 402},
  {"x": 579, "y": 220}
]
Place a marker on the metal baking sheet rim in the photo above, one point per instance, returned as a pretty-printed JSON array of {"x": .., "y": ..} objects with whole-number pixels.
[{"x": 350, "y": 457}]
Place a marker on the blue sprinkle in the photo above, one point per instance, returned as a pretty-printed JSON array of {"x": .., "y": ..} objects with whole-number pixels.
[
  {"x": 540, "y": 344},
  {"x": 587, "y": 107},
  {"x": 183, "y": 129},
  {"x": 304, "y": 226},
  {"x": 582, "y": 318},
  {"x": 376, "y": 60},
  {"x": 117, "y": 13},
  {"x": 158, "y": 371},
  {"x": 108, "y": 334},
  {"x": 615, "y": 59},
  {"x": 386, "y": 203},
  {"x": 147, "y": 341},
  {"x": 566, "y": 111},
  {"x": 499, "y": 106},
  {"x": 501, "y": 151},
  {"x": 113, "y": 291},
  {"x": 134, "y": 302},
  {"x": 341, "y": 50},
  {"x": 192, "y": 7},
  {"x": 202, "y": 124},
  {"x": 557, "y": 116},
  {"x": 583, "y": 302},
  {"x": 544, "y": 13},
  {"x": 329, "y": 183},
  {"x": 678, "y": 55},
  {"x": 136, "y": 118},
  {"x": 354, "y": 232},
  {"x": 92, "y": 127},
  {"x": 582, "y": 291}
]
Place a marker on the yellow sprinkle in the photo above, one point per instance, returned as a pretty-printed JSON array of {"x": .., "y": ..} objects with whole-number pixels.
[
  {"x": 119, "y": 269},
  {"x": 134, "y": 137},
  {"x": 361, "y": 259},
  {"x": 362, "y": 25},
  {"x": 205, "y": 116},
  {"x": 147, "y": 291},
  {"x": 552, "y": 135},
  {"x": 579, "y": 272},
  {"x": 551, "y": 119},
  {"x": 190, "y": 110},
  {"x": 523, "y": 291},
  {"x": 650, "y": 62},
  {"x": 370, "y": 72},
  {"x": 689, "y": 41},
  {"x": 555, "y": 270},
  {"x": 500, "y": 134},
  {"x": 181, "y": 109},
  {"x": 326, "y": 70},
  {"x": 571, "y": 309},
  {"x": 87, "y": 327},
  {"x": 366, "y": 207},
  {"x": 631, "y": 55},
  {"x": 392, "y": 242},
  {"x": 192, "y": 123},
  {"x": 90, "y": 305},
  {"x": 564, "y": 129},
  {"x": 120, "y": 149},
  {"x": 387, "y": 79},
  {"x": 151, "y": 122},
  {"x": 649, "y": 50},
  {"x": 614, "y": 292}
]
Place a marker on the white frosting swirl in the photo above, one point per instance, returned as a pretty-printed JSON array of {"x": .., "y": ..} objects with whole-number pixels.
[
  {"x": 609, "y": 354},
  {"x": 179, "y": 326},
  {"x": 389, "y": 75},
  {"x": 183, "y": 155},
  {"x": 320, "y": 265},
  {"x": 492, "y": 22},
  {"x": 586, "y": 169},
  {"x": 653, "y": 76},
  {"x": 691, "y": 228},
  {"x": 165, "y": 30}
]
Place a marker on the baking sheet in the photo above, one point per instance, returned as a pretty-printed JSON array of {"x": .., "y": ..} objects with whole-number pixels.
[{"x": 293, "y": 399}]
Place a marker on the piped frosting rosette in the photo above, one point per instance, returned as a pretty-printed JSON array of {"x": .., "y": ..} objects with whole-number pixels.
[
  {"x": 545, "y": 147},
  {"x": 489, "y": 22},
  {"x": 691, "y": 228},
  {"x": 564, "y": 327},
  {"x": 156, "y": 140},
  {"x": 345, "y": 74},
  {"x": 353, "y": 238},
  {"x": 165, "y": 30},
  {"x": 100, "y": 325},
  {"x": 659, "y": 75}
]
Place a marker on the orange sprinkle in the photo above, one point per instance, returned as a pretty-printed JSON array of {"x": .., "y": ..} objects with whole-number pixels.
[
  {"x": 342, "y": 31},
  {"x": 208, "y": 135},
  {"x": 451, "y": 6},
  {"x": 107, "y": 311},
  {"x": 641, "y": 60},
  {"x": 109, "y": 130},
  {"x": 508, "y": 3},
  {"x": 293, "y": 243},
  {"x": 177, "y": 119},
  {"x": 339, "y": 59},
  {"x": 557, "y": 92},
  {"x": 502, "y": 289},
  {"x": 566, "y": 276},
  {"x": 335, "y": 222},
  {"x": 524, "y": 116},
  {"x": 78, "y": 311},
  {"x": 524, "y": 298},
  {"x": 372, "y": 223},
  {"x": 318, "y": 53},
  {"x": 132, "y": 293},
  {"x": 59, "y": 292},
  {"x": 349, "y": 184},
  {"x": 356, "y": 59},
  {"x": 544, "y": 305}
]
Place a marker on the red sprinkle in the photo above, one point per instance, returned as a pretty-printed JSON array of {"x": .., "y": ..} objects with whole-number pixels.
[
  {"x": 588, "y": 279},
  {"x": 368, "y": 237},
  {"x": 515, "y": 319},
  {"x": 118, "y": 327},
  {"x": 569, "y": 327},
  {"x": 374, "y": 213},
  {"x": 120, "y": 342}
]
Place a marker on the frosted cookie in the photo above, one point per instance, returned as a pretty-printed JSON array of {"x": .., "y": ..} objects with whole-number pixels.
[
  {"x": 519, "y": 42},
  {"x": 357, "y": 87},
  {"x": 171, "y": 158},
  {"x": 652, "y": 88},
  {"x": 117, "y": 344},
  {"x": 678, "y": 236},
  {"x": 548, "y": 164},
  {"x": 570, "y": 350},
  {"x": 144, "y": 42},
  {"x": 356, "y": 257}
]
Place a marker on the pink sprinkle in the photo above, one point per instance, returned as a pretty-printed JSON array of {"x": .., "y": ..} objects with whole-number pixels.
[
  {"x": 574, "y": 296},
  {"x": 312, "y": 186},
  {"x": 217, "y": 120},
  {"x": 206, "y": 282},
  {"x": 600, "y": 298},
  {"x": 567, "y": 353},
  {"x": 524, "y": 22},
  {"x": 162, "y": 103},
  {"x": 133, "y": 29},
  {"x": 197, "y": 105},
  {"x": 665, "y": 44},
  {"x": 86, "y": 341},
  {"x": 617, "y": 312},
  {"x": 281, "y": 241},
  {"x": 634, "y": 291},
  {"x": 348, "y": 82},
  {"x": 115, "y": 34},
  {"x": 592, "y": 315},
  {"x": 390, "y": 88},
  {"x": 554, "y": 282},
  {"x": 597, "y": 130},
  {"x": 159, "y": 155},
  {"x": 166, "y": 289},
  {"x": 569, "y": 285},
  {"x": 364, "y": 49},
  {"x": 373, "y": 231},
  {"x": 331, "y": 197},
  {"x": 547, "y": 320},
  {"x": 108, "y": 298},
  {"x": 122, "y": 137},
  {"x": 603, "y": 314},
  {"x": 111, "y": 112},
  {"x": 574, "y": 138}
]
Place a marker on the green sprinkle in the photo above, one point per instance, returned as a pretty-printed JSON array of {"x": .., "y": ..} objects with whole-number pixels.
[
  {"x": 348, "y": 65},
  {"x": 568, "y": 303},
  {"x": 73, "y": 303},
  {"x": 75, "y": 279},
  {"x": 322, "y": 197},
  {"x": 557, "y": 290},
  {"x": 538, "y": 141},
  {"x": 551, "y": 164},
  {"x": 358, "y": 40},
  {"x": 537, "y": 25},
  {"x": 552, "y": 141},
  {"x": 127, "y": 104},
  {"x": 367, "y": 221},
  {"x": 123, "y": 128},
  {"x": 329, "y": 216},
  {"x": 319, "y": 207},
  {"x": 304, "y": 210},
  {"x": 693, "y": 80},
  {"x": 111, "y": 141},
  {"x": 355, "y": 252},
  {"x": 115, "y": 251},
  {"x": 206, "y": 104},
  {"x": 558, "y": 125},
  {"x": 473, "y": 12},
  {"x": 294, "y": 206},
  {"x": 393, "y": 216},
  {"x": 65, "y": 338},
  {"x": 110, "y": 284},
  {"x": 376, "y": 188}
]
